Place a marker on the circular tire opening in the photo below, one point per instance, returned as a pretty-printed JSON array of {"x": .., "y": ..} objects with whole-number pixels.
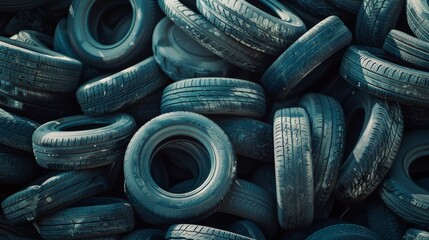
[
  {"x": 419, "y": 171},
  {"x": 180, "y": 165},
  {"x": 110, "y": 22}
]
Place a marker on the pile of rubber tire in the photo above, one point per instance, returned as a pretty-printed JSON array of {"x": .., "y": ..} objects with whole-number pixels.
[{"x": 214, "y": 119}]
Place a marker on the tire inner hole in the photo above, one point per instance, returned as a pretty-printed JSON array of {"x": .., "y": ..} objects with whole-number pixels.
[
  {"x": 419, "y": 171},
  {"x": 180, "y": 165}
]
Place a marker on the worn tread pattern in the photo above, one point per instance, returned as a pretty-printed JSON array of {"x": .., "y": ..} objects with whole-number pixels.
[
  {"x": 53, "y": 194},
  {"x": 418, "y": 18},
  {"x": 252, "y": 26},
  {"x": 89, "y": 218},
  {"x": 375, "y": 150},
  {"x": 215, "y": 96},
  {"x": 375, "y": 20},
  {"x": 16, "y": 131},
  {"x": 363, "y": 68},
  {"x": 111, "y": 93},
  {"x": 204, "y": 32},
  {"x": 305, "y": 54},
  {"x": 55, "y": 147},
  {"x": 250, "y": 137},
  {"x": 249, "y": 201},
  {"x": 328, "y": 140},
  {"x": 196, "y": 232},
  {"x": 344, "y": 231},
  {"x": 407, "y": 48},
  {"x": 37, "y": 67},
  {"x": 293, "y": 168}
]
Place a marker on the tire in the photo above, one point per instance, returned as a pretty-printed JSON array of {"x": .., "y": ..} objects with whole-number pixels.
[
  {"x": 155, "y": 205},
  {"x": 417, "y": 18},
  {"x": 294, "y": 168},
  {"x": 101, "y": 53},
  {"x": 416, "y": 234},
  {"x": 181, "y": 57},
  {"x": 407, "y": 48},
  {"x": 384, "y": 222},
  {"x": 145, "y": 234},
  {"x": 35, "y": 38},
  {"x": 63, "y": 45},
  {"x": 305, "y": 54},
  {"x": 196, "y": 232},
  {"x": 327, "y": 140},
  {"x": 16, "y": 131},
  {"x": 81, "y": 142},
  {"x": 214, "y": 39},
  {"x": 399, "y": 192},
  {"x": 344, "y": 231},
  {"x": 90, "y": 218},
  {"x": 319, "y": 8},
  {"x": 15, "y": 6},
  {"x": 111, "y": 93},
  {"x": 249, "y": 201},
  {"x": 215, "y": 96},
  {"x": 374, "y": 131},
  {"x": 247, "y": 228},
  {"x": 251, "y": 138},
  {"x": 16, "y": 167},
  {"x": 59, "y": 191},
  {"x": 252, "y": 26},
  {"x": 375, "y": 20},
  {"x": 351, "y": 6},
  {"x": 367, "y": 69},
  {"x": 38, "y": 68}
]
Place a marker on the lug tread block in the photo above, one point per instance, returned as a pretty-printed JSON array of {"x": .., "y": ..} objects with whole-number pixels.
[
  {"x": 89, "y": 218},
  {"x": 214, "y": 39},
  {"x": 252, "y": 26},
  {"x": 57, "y": 148},
  {"x": 249, "y": 201},
  {"x": 16, "y": 131},
  {"x": 305, "y": 54},
  {"x": 294, "y": 168},
  {"x": 407, "y": 48},
  {"x": 250, "y": 137},
  {"x": 196, "y": 232},
  {"x": 36, "y": 67},
  {"x": 376, "y": 148},
  {"x": 215, "y": 96},
  {"x": 55, "y": 193},
  {"x": 375, "y": 20},
  {"x": 327, "y": 122},
  {"x": 363, "y": 68},
  {"x": 344, "y": 231},
  {"x": 418, "y": 18},
  {"x": 111, "y": 93}
]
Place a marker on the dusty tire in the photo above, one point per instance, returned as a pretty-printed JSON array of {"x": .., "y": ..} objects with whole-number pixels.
[
  {"x": 81, "y": 142},
  {"x": 169, "y": 207},
  {"x": 293, "y": 168},
  {"x": 210, "y": 96},
  {"x": 399, "y": 192},
  {"x": 370, "y": 149}
]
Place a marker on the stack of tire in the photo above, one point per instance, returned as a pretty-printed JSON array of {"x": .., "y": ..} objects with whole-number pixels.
[{"x": 214, "y": 119}]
